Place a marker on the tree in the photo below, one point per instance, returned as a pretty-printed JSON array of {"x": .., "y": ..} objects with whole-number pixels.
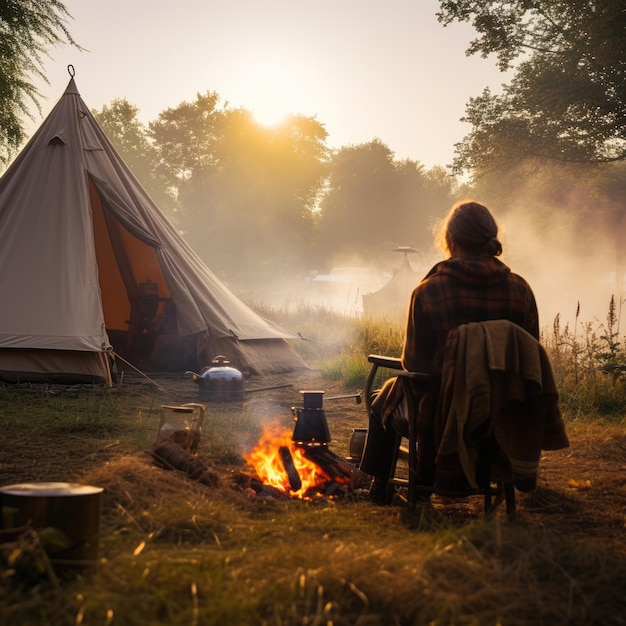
[
  {"x": 374, "y": 203},
  {"x": 246, "y": 192},
  {"x": 567, "y": 99},
  {"x": 28, "y": 28},
  {"x": 266, "y": 189},
  {"x": 185, "y": 139}
]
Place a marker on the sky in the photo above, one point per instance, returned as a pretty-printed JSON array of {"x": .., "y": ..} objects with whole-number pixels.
[{"x": 365, "y": 69}]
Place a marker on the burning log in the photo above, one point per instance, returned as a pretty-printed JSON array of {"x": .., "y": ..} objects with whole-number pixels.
[
  {"x": 302, "y": 470},
  {"x": 333, "y": 489},
  {"x": 337, "y": 468},
  {"x": 292, "y": 473},
  {"x": 269, "y": 493},
  {"x": 330, "y": 463}
]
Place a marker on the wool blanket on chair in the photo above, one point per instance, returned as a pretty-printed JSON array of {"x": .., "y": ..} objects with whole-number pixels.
[{"x": 497, "y": 382}]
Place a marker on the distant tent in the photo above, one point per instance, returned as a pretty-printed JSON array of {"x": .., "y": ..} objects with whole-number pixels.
[
  {"x": 392, "y": 299},
  {"x": 91, "y": 268}
]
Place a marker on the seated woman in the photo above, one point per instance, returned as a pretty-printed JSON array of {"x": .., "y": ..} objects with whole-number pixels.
[{"x": 471, "y": 285}]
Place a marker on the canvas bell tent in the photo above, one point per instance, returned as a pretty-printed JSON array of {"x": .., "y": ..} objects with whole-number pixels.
[
  {"x": 91, "y": 269},
  {"x": 392, "y": 299}
]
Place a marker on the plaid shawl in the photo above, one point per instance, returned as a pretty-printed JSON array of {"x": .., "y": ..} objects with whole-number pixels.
[
  {"x": 454, "y": 292},
  {"x": 459, "y": 291}
]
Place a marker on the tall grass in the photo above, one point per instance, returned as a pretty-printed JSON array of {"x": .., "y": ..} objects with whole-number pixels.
[
  {"x": 339, "y": 344},
  {"x": 588, "y": 358},
  {"x": 589, "y": 363}
]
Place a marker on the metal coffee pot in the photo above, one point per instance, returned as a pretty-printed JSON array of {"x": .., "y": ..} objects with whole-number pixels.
[{"x": 311, "y": 427}]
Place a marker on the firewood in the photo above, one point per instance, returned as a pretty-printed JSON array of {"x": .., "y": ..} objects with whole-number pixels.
[
  {"x": 295, "y": 483},
  {"x": 333, "y": 465},
  {"x": 171, "y": 455}
]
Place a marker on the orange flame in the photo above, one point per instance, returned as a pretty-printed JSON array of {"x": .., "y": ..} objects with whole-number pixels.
[{"x": 266, "y": 460}]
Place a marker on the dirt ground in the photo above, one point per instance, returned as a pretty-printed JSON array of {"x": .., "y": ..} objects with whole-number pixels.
[{"x": 581, "y": 491}]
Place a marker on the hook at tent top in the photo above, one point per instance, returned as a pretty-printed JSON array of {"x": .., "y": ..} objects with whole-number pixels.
[
  {"x": 405, "y": 249},
  {"x": 70, "y": 70}
]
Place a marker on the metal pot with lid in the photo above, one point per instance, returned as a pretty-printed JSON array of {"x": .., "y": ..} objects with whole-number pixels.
[
  {"x": 311, "y": 427},
  {"x": 219, "y": 382},
  {"x": 71, "y": 509}
]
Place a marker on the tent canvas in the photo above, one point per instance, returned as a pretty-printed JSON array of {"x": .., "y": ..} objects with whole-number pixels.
[
  {"x": 392, "y": 299},
  {"x": 90, "y": 268}
]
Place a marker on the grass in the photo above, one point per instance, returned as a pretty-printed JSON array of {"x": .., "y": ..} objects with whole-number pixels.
[
  {"x": 174, "y": 551},
  {"x": 588, "y": 359},
  {"x": 589, "y": 362}
]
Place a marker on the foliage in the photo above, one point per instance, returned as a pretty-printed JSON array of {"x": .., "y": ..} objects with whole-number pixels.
[
  {"x": 262, "y": 205},
  {"x": 373, "y": 203},
  {"x": 185, "y": 138},
  {"x": 175, "y": 551},
  {"x": 589, "y": 367},
  {"x": 68, "y": 411},
  {"x": 588, "y": 360},
  {"x": 370, "y": 336},
  {"x": 28, "y": 28},
  {"x": 323, "y": 331},
  {"x": 612, "y": 354},
  {"x": 567, "y": 98},
  {"x": 335, "y": 343},
  {"x": 263, "y": 196},
  {"x": 246, "y": 192}
]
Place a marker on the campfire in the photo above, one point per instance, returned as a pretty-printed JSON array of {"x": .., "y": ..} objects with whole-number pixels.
[
  {"x": 286, "y": 464},
  {"x": 295, "y": 470},
  {"x": 300, "y": 464}
]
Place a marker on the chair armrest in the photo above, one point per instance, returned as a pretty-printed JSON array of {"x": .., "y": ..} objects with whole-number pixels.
[
  {"x": 422, "y": 379},
  {"x": 394, "y": 363},
  {"x": 390, "y": 362}
]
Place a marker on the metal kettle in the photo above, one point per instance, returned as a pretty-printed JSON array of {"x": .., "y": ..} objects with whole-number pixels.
[
  {"x": 311, "y": 427},
  {"x": 219, "y": 382}
]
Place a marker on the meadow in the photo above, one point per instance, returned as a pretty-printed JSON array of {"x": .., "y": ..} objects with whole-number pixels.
[{"x": 177, "y": 550}]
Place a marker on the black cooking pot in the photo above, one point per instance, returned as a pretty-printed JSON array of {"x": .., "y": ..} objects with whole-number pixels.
[
  {"x": 311, "y": 427},
  {"x": 219, "y": 382}
]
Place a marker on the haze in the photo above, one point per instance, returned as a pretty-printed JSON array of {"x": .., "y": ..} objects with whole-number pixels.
[{"x": 365, "y": 68}]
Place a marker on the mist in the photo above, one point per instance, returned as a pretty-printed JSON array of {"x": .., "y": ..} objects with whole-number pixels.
[
  {"x": 570, "y": 263},
  {"x": 570, "y": 268},
  {"x": 342, "y": 288}
]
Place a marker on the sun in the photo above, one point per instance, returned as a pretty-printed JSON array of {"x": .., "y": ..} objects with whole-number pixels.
[{"x": 274, "y": 91}]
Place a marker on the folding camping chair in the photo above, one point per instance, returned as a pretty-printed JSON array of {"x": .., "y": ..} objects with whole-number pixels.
[{"x": 495, "y": 487}]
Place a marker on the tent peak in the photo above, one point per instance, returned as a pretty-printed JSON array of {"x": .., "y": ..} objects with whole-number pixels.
[{"x": 71, "y": 86}]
